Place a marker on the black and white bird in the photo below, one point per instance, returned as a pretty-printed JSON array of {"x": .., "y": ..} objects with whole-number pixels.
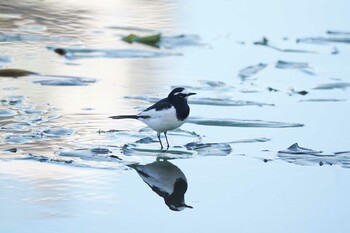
[
  {"x": 165, "y": 115},
  {"x": 167, "y": 180}
]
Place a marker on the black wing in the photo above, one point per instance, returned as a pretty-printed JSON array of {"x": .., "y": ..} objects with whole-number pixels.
[{"x": 160, "y": 105}]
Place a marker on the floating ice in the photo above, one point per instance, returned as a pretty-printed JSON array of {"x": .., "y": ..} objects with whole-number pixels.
[
  {"x": 93, "y": 154},
  {"x": 332, "y": 32},
  {"x": 329, "y": 86},
  {"x": 32, "y": 111},
  {"x": 177, "y": 134},
  {"x": 265, "y": 42},
  {"x": 12, "y": 100},
  {"x": 296, "y": 149},
  {"x": 53, "y": 117},
  {"x": 64, "y": 81},
  {"x": 134, "y": 149},
  {"x": 16, "y": 127},
  {"x": 58, "y": 133},
  {"x": 100, "y": 150},
  {"x": 302, "y": 66},
  {"x": 79, "y": 53},
  {"x": 146, "y": 140},
  {"x": 324, "y": 40},
  {"x": 42, "y": 158},
  {"x": 241, "y": 123},
  {"x": 304, "y": 156},
  {"x": 32, "y": 120},
  {"x": 21, "y": 138},
  {"x": 323, "y": 100},
  {"x": 192, "y": 149},
  {"x": 210, "y": 149},
  {"x": 251, "y": 70},
  {"x": 7, "y": 113},
  {"x": 76, "y": 162},
  {"x": 148, "y": 136}
]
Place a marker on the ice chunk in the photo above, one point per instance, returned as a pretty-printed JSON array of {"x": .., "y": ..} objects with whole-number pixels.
[{"x": 241, "y": 123}]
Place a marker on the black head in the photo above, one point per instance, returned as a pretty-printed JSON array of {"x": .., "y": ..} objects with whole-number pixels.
[
  {"x": 176, "y": 201},
  {"x": 179, "y": 94}
]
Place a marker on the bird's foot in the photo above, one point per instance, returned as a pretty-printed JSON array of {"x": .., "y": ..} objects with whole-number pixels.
[{"x": 165, "y": 150}]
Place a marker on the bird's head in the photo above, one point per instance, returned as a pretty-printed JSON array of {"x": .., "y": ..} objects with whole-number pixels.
[
  {"x": 179, "y": 207},
  {"x": 180, "y": 94},
  {"x": 176, "y": 200}
]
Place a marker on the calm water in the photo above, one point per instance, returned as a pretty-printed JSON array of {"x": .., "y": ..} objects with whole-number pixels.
[{"x": 65, "y": 166}]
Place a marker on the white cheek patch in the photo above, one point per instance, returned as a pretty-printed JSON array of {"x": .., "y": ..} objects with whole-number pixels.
[
  {"x": 182, "y": 92},
  {"x": 185, "y": 92}
]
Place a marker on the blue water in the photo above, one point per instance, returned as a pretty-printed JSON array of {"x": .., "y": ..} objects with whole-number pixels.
[{"x": 65, "y": 166}]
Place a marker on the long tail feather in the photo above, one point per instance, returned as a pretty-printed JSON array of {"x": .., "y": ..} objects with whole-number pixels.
[{"x": 125, "y": 117}]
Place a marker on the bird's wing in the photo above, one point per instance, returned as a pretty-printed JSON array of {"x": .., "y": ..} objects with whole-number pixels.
[
  {"x": 156, "y": 108},
  {"x": 160, "y": 105},
  {"x": 157, "y": 178}
]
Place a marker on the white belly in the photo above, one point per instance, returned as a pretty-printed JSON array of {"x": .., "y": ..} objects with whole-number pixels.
[{"x": 161, "y": 121}]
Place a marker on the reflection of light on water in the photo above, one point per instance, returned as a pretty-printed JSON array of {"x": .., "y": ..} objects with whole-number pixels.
[
  {"x": 119, "y": 76},
  {"x": 54, "y": 189},
  {"x": 160, "y": 15}
]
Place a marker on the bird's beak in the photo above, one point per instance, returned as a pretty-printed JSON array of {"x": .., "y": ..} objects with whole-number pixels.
[
  {"x": 191, "y": 93},
  {"x": 188, "y": 206}
]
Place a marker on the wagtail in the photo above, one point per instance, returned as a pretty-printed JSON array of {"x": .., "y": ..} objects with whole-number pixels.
[{"x": 167, "y": 114}]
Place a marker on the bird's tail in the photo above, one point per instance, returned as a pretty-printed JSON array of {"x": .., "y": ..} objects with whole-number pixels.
[{"x": 125, "y": 117}]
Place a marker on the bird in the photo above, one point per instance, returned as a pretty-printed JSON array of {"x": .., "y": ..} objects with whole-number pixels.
[
  {"x": 167, "y": 114},
  {"x": 167, "y": 180}
]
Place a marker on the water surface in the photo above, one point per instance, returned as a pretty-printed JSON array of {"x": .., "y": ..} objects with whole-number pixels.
[{"x": 66, "y": 167}]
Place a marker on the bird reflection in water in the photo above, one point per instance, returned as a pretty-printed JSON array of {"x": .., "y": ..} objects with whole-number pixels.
[{"x": 167, "y": 180}]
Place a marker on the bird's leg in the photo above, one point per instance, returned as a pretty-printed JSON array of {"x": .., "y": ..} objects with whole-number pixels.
[
  {"x": 161, "y": 145},
  {"x": 167, "y": 142}
]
